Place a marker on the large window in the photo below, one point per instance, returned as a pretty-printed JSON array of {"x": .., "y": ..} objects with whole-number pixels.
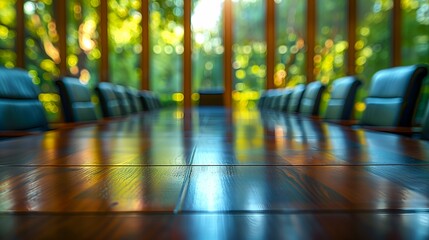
[
  {"x": 207, "y": 45},
  {"x": 7, "y": 33},
  {"x": 415, "y": 31},
  {"x": 415, "y": 41},
  {"x": 290, "y": 43},
  {"x": 331, "y": 40},
  {"x": 249, "y": 51},
  {"x": 373, "y": 48},
  {"x": 77, "y": 37},
  {"x": 124, "y": 21},
  {"x": 83, "y": 37},
  {"x": 42, "y": 56},
  {"x": 166, "y": 49}
]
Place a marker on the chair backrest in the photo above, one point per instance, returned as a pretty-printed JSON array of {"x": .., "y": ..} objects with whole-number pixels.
[
  {"x": 145, "y": 101},
  {"x": 310, "y": 102},
  {"x": 270, "y": 102},
  {"x": 343, "y": 94},
  {"x": 121, "y": 94},
  {"x": 295, "y": 99},
  {"x": 393, "y": 96},
  {"x": 277, "y": 99},
  {"x": 134, "y": 100},
  {"x": 109, "y": 102},
  {"x": 148, "y": 100},
  {"x": 20, "y": 108},
  {"x": 76, "y": 100},
  {"x": 284, "y": 103},
  {"x": 262, "y": 99},
  {"x": 269, "y": 97},
  {"x": 273, "y": 101}
]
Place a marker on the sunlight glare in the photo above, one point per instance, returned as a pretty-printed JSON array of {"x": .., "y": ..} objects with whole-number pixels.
[{"x": 207, "y": 14}]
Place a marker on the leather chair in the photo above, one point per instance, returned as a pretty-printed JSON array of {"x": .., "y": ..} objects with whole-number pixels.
[
  {"x": 134, "y": 100},
  {"x": 295, "y": 99},
  {"x": 277, "y": 99},
  {"x": 121, "y": 94},
  {"x": 310, "y": 102},
  {"x": 284, "y": 102},
  {"x": 76, "y": 100},
  {"x": 343, "y": 94},
  {"x": 20, "y": 108},
  {"x": 262, "y": 100},
  {"x": 277, "y": 102},
  {"x": 109, "y": 102},
  {"x": 148, "y": 101},
  {"x": 145, "y": 100},
  {"x": 268, "y": 99},
  {"x": 393, "y": 96}
]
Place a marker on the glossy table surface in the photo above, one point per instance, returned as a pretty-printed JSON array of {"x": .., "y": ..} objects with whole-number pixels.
[{"x": 213, "y": 173}]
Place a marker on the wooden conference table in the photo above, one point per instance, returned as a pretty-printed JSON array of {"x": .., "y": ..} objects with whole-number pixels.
[{"x": 211, "y": 173}]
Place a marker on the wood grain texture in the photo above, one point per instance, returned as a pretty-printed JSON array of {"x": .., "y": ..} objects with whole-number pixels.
[
  {"x": 90, "y": 189},
  {"x": 304, "y": 188},
  {"x": 213, "y": 173}
]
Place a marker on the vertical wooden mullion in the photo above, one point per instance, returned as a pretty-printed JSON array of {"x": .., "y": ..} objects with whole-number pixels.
[
  {"x": 271, "y": 42},
  {"x": 397, "y": 33},
  {"x": 227, "y": 62},
  {"x": 187, "y": 56},
  {"x": 61, "y": 18},
  {"x": 144, "y": 60},
  {"x": 311, "y": 39},
  {"x": 352, "y": 26},
  {"x": 20, "y": 34},
  {"x": 104, "y": 61}
]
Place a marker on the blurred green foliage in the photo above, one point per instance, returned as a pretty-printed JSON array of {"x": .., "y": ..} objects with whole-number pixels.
[
  {"x": 415, "y": 42},
  {"x": 207, "y": 46},
  {"x": 42, "y": 55},
  {"x": 290, "y": 43},
  {"x": 83, "y": 40},
  {"x": 373, "y": 47},
  {"x": 7, "y": 33},
  {"x": 249, "y": 51},
  {"x": 124, "y": 30},
  {"x": 166, "y": 49},
  {"x": 331, "y": 40}
]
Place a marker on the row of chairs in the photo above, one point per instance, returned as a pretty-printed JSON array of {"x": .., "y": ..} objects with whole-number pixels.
[
  {"x": 21, "y": 110},
  {"x": 390, "y": 104},
  {"x": 306, "y": 100},
  {"x": 302, "y": 99},
  {"x": 115, "y": 100}
]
